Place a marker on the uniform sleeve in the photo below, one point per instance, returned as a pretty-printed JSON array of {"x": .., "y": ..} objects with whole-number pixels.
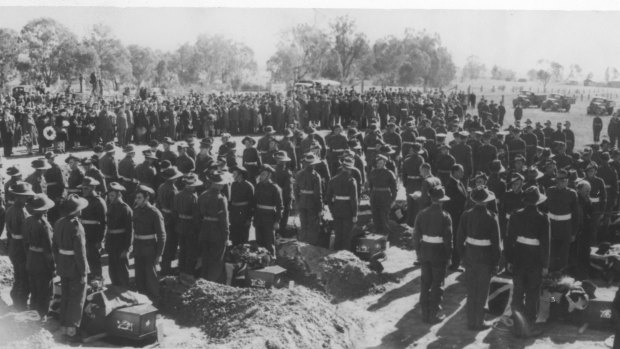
[
  {"x": 278, "y": 202},
  {"x": 317, "y": 189},
  {"x": 79, "y": 248},
  {"x": 128, "y": 226},
  {"x": 353, "y": 199},
  {"x": 461, "y": 234},
  {"x": 417, "y": 233},
  {"x": 102, "y": 211},
  {"x": 603, "y": 194},
  {"x": 160, "y": 232},
  {"x": 511, "y": 236},
  {"x": 447, "y": 234},
  {"x": 574, "y": 209},
  {"x": 392, "y": 184},
  {"x": 496, "y": 242},
  {"x": 296, "y": 189},
  {"x": 223, "y": 216},
  {"x": 545, "y": 241}
]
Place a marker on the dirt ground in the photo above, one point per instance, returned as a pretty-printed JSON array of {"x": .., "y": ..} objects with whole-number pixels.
[{"x": 389, "y": 318}]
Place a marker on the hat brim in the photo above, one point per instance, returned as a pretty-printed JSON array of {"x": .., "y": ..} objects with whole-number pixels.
[
  {"x": 313, "y": 162},
  {"x": 489, "y": 198},
  {"x": 48, "y": 204},
  {"x": 82, "y": 204},
  {"x": 441, "y": 199},
  {"x": 45, "y": 167},
  {"x": 285, "y": 159},
  {"x": 26, "y": 193},
  {"x": 175, "y": 176}
]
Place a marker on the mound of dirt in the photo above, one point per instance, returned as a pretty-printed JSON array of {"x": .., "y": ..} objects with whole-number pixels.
[
  {"x": 400, "y": 235},
  {"x": 341, "y": 274},
  {"x": 22, "y": 330},
  {"x": 6, "y": 272},
  {"x": 258, "y": 318}
]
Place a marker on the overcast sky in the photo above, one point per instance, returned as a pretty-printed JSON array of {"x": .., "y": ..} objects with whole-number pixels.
[{"x": 510, "y": 39}]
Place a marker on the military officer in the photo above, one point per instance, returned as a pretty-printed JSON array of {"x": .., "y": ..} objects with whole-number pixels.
[
  {"x": 241, "y": 206},
  {"x": 250, "y": 159},
  {"x": 432, "y": 240},
  {"x": 527, "y": 249},
  {"x": 479, "y": 244},
  {"x": 165, "y": 203},
  {"x": 337, "y": 144},
  {"x": 598, "y": 198},
  {"x": 184, "y": 162},
  {"x": 269, "y": 207},
  {"x": 146, "y": 172},
  {"x": 127, "y": 170},
  {"x": 93, "y": 172},
  {"x": 93, "y": 219},
  {"x": 562, "y": 206},
  {"x": 119, "y": 235},
  {"x": 187, "y": 224},
  {"x": 283, "y": 178},
  {"x": 108, "y": 164},
  {"x": 76, "y": 175},
  {"x": 214, "y": 228},
  {"x": 37, "y": 178},
  {"x": 39, "y": 262},
  {"x": 412, "y": 180},
  {"x": 341, "y": 198},
  {"x": 56, "y": 184},
  {"x": 382, "y": 185},
  {"x": 308, "y": 196},
  {"x": 148, "y": 243},
  {"x": 69, "y": 246},
  {"x": 16, "y": 215}
]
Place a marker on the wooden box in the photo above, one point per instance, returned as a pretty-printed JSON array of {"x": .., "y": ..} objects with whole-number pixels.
[
  {"x": 272, "y": 276},
  {"x": 367, "y": 246},
  {"x": 135, "y": 323}
]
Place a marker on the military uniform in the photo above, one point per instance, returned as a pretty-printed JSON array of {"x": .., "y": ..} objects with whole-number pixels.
[
  {"x": 109, "y": 168},
  {"x": 69, "y": 246},
  {"x": 96, "y": 174},
  {"x": 527, "y": 248},
  {"x": 412, "y": 182},
  {"x": 479, "y": 246},
  {"x": 268, "y": 197},
  {"x": 462, "y": 154},
  {"x": 38, "y": 182},
  {"x": 39, "y": 262},
  {"x": 93, "y": 220},
  {"x": 283, "y": 178},
  {"x": 341, "y": 197},
  {"x": 148, "y": 246},
  {"x": 432, "y": 240},
  {"x": 185, "y": 163},
  {"x": 16, "y": 215},
  {"x": 252, "y": 162},
  {"x": 382, "y": 185},
  {"x": 241, "y": 211},
  {"x": 127, "y": 172},
  {"x": 118, "y": 242},
  {"x": 457, "y": 192},
  {"x": 443, "y": 165},
  {"x": 146, "y": 175},
  {"x": 186, "y": 226},
  {"x": 562, "y": 209},
  {"x": 165, "y": 202},
  {"x": 214, "y": 233},
  {"x": 598, "y": 198},
  {"x": 336, "y": 144},
  {"x": 76, "y": 177},
  {"x": 56, "y": 184},
  {"x": 308, "y": 196}
]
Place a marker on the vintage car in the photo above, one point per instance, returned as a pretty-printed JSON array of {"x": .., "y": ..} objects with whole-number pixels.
[
  {"x": 528, "y": 99},
  {"x": 21, "y": 90},
  {"x": 557, "y": 102},
  {"x": 601, "y": 106}
]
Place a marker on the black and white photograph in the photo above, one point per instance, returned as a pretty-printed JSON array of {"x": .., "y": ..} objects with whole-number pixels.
[{"x": 317, "y": 175}]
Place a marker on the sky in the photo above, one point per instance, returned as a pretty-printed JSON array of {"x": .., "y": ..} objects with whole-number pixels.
[{"x": 511, "y": 39}]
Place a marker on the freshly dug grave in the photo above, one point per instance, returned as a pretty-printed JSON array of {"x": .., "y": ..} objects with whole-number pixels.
[
  {"x": 340, "y": 274},
  {"x": 258, "y": 318},
  {"x": 23, "y": 330}
]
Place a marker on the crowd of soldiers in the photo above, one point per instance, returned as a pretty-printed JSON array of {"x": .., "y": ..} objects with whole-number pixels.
[{"x": 478, "y": 195}]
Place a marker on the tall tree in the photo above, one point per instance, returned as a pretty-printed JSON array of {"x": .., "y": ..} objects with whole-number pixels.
[
  {"x": 9, "y": 50},
  {"x": 473, "y": 69},
  {"x": 43, "y": 39},
  {"x": 142, "y": 63},
  {"x": 114, "y": 59},
  {"x": 349, "y": 45},
  {"x": 75, "y": 59}
]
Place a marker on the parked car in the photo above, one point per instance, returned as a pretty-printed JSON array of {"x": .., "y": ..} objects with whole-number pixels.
[
  {"x": 21, "y": 90},
  {"x": 528, "y": 99},
  {"x": 557, "y": 102},
  {"x": 601, "y": 106}
]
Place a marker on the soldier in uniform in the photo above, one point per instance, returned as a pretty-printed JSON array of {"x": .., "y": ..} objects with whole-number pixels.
[
  {"x": 39, "y": 262},
  {"x": 37, "y": 178},
  {"x": 516, "y": 145},
  {"x": 570, "y": 137},
  {"x": 412, "y": 180},
  {"x": 93, "y": 218},
  {"x": 93, "y": 172},
  {"x": 109, "y": 165},
  {"x": 527, "y": 249},
  {"x": 531, "y": 143},
  {"x": 283, "y": 178},
  {"x": 16, "y": 215},
  {"x": 382, "y": 185},
  {"x": 76, "y": 175},
  {"x": 263, "y": 143},
  {"x": 562, "y": 206},
  {"x": 187, "y": 223},
  {"x": 165, "y": 203},
  {"x": 16, "y": 176},
  {"x": 479, "y": 244},
  {"x": 597, "y": 127},
  {"x": 598, "y": 198},
  {"x": 609, "y": 175},
  {"x": 241, "y": 206},
  {"x": 214, "y": 229},
  {"x": 269, "y": 207},
  {"x": 119, "y": 235},
  {"x": 148, "y": 243},
  {"x": 184, "y": 162},
  {"x": 168, "y": 153},
  {"x": 56, "y": 184},
  {"x": 250, "y": 159},
  {"x": 341, "y": 198},
  {"x": 462, "y": 153},
  {"x": 146, "y": 173},
  {"x": 337, "y": 144},
  {"x": 308, "y": 197},
  {"x": 69, "y": 246},
  {"x": 432, "y": 240},
  {"x": 443, "y": 163},
  {"x": 457, "y": 192}
]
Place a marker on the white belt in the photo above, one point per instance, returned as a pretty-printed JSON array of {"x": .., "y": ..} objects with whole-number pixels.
[
  {"x": 145, "y": 237},
  {"x": 406, "y": 142},
  {"x": 240, "y": 203},
  {"x": 35, "y": 249},
  {"x": 309, "y": 192},
  {"x": 211, "y": 219},
  {"x": 265, "y": 207},
  {"x": 89, "y": 221},
  {"x": 595, "y": 199},
  {"x": 342, "y": 197},
  {"x": 337, "y": 150},
  {"x": 559, "y": 217},
  {"x": 52, "y": 183},
  {"x": 478, "y": 242},
  {"x": 414, "y": 177},
  {"x": 133, "y": 180},
  {"x": 66, "y": 252},
  {"x": 73, "y": 190},
  {"x": 165, "y": 210},
  {"x": 251, "y": 163},
  {"x": 17, "y": 237},
  {"x": 432, "y": 239},
  {"x": 185, "y": 216},
  {"x": 528, "y": 241},
  {"x": 116, "y": 231}
]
